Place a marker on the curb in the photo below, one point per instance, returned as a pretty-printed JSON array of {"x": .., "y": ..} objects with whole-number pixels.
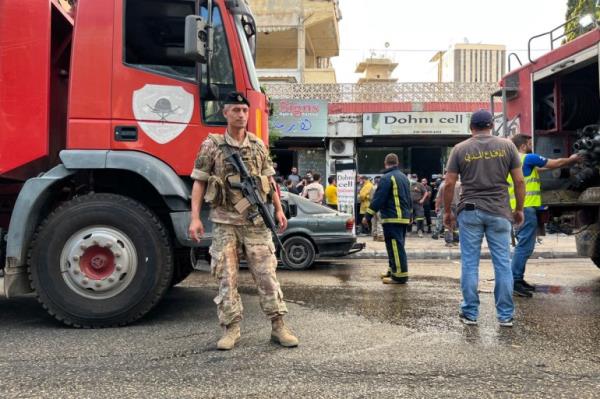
[{"x": 455, "y": 254}]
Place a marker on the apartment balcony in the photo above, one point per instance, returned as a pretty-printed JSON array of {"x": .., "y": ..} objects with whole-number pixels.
[
  {"x": 282, "y": 75},
  {"x": 387, "y": 92}
]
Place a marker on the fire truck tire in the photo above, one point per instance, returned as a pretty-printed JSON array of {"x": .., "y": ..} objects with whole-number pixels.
[
  {"x": 183, "y": 266},
  {"x": 100, "y": 260}
]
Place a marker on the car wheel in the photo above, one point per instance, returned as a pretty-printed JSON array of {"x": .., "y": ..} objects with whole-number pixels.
[
  {"x": 100, "y": 260},
  {"x": 299, "y": 253}
]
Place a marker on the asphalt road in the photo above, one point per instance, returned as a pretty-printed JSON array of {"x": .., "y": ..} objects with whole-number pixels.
[{"x": 359, "y": 338}]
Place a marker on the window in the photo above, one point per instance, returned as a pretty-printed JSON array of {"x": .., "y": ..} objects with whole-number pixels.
[
  {"x": 220, "y": 82},
  {"x": 247, "y": 36},
  {"x": 370, "y": 160},
  {"x": 154, "y": 37}
]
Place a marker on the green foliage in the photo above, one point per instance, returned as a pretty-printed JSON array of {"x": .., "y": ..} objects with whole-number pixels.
[{"x": 576, "y": 9}]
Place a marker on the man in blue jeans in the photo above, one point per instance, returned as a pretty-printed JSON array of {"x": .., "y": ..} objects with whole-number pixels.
[
  {"x": 483, "y": 162},
  {"x": 532, "y": 163}
]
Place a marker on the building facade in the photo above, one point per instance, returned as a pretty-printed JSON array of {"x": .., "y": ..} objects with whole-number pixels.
[
  {"x": 466, "y": 62},
  {"x": 296, "y": 40},
  {"x": 376, "y": 69},
  {"x": 420, "y": 122}
]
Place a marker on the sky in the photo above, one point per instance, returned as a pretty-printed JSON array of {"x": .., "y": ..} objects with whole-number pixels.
[{"x": 415, "y": 30}]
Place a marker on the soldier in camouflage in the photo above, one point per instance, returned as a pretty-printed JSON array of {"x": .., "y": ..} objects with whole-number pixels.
[{"x": 233, "y": 234}]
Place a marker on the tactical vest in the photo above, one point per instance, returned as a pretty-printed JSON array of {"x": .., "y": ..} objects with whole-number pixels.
[
  {"x": 533, "y": 189},
  {"x": 219, "y": 191}
]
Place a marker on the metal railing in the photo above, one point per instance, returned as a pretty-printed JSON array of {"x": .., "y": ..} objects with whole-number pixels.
[{"x": 384, "y": 92}]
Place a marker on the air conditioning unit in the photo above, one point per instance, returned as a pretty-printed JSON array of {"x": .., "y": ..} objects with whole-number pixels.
[{"x": 341, "y": 147}]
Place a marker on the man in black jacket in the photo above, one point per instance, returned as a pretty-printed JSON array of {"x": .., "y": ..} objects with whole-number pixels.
[{"x": 392, "y": 200}]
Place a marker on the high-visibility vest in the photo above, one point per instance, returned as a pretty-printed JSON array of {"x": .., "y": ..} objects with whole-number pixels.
[{"x": 533, "y": 189}]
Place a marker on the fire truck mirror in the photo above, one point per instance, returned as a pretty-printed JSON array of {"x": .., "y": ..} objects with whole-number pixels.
[{"x": 196, "y": 38}]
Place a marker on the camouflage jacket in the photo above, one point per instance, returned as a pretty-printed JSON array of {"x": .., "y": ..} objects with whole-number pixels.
[{"x": 212, "y": 167}]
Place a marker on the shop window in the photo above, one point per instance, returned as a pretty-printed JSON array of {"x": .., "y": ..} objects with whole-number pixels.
[{"x": 370, "y": 160}]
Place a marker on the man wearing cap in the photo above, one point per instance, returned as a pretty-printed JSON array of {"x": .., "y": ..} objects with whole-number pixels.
[
  {"x": 233, "y": 233},
  {"x": 525, "y": 235},
  {"x": 483, "y": 162}
]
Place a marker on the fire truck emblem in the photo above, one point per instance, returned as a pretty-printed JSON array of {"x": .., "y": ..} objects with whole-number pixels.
[{"x": 163, "y": 112}]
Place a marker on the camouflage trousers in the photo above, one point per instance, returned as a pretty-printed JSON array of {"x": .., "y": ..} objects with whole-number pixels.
[
  {"x": 376, "y": 225},
  {"x": 256, "y": 244}
]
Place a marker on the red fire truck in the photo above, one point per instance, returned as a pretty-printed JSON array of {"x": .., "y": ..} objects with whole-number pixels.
[
  {"x": 103, "y": 106},
  {"x": 556, "y": 99}
]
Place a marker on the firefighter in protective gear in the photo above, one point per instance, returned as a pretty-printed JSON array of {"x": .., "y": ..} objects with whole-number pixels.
[
  {"x": 233, "y": 233},
  {"x": 393, "y": 201}
]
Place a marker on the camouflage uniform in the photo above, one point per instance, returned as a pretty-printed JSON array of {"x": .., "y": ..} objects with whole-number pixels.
[
  {"x": 233, "y": 234},
  {"x": 376, "y": 225}
]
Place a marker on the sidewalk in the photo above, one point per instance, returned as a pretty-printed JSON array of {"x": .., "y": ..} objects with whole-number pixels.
[{"x": 552, "y": 246}]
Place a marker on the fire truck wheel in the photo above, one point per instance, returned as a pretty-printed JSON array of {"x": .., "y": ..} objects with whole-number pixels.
[
  {"x": 100, "y": 260},
  {"x": 183, "y": 266}
]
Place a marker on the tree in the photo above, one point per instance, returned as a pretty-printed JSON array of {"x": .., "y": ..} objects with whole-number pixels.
[{"x": 576, "y": 9}]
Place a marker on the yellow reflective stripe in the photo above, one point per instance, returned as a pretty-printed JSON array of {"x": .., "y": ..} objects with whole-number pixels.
[
  {"x": 396, "y": 254},
  {"x": 396, "y": 197},
  {"x": 371, "y": 211},
  {"x": 533, "y": 189},
  {"x": 395, "y": 220},
  {"x": 405, "y": 274}
]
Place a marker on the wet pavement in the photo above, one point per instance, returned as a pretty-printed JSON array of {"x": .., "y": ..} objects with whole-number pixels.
[{"x": 359, "y": 338}]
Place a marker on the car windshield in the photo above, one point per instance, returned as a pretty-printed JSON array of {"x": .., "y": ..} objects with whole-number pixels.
[{"x": 306, "y": 206}]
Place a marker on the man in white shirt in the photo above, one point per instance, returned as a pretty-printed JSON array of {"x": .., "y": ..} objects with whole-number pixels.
[{"x": 314, "y": 191}]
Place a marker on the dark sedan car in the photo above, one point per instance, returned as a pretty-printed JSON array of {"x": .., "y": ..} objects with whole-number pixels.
[{"x": 313, "y": 231}]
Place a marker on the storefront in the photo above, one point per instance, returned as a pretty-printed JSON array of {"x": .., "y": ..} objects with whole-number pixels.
[
  {"x": 298, "y": 129},
  {"x": 422, "y": 140}
]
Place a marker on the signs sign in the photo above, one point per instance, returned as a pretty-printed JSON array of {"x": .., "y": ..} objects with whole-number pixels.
[
  {"x": 375, "y": 124},
  {"x": 299, "y": 118}
]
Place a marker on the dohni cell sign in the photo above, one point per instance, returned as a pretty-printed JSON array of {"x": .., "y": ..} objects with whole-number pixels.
[
  {"x": 346, "y": 187},
  {"x": 416, "y": 123}
]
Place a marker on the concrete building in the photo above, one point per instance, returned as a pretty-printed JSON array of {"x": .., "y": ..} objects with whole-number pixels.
[
  {"x": 420, "y": 122},
  {"x": 467, "y": 62},
  {"x": 296, "y": 40},
  {"x": 376, "y": 69}
]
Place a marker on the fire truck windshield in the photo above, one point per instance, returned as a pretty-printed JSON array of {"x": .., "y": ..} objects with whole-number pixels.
[{"x": 246, "y": 30}]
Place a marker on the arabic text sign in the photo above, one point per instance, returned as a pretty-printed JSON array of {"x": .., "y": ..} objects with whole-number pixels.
[
  {"x": 299, "y": 118},
  {"x": 416, "y": 123}
]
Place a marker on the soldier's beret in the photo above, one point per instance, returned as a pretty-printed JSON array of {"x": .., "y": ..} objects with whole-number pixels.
[{"x": 236, "y": 98}]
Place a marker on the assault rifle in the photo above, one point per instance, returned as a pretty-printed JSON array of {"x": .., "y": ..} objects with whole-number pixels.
[{"x": 252, "y": 198}]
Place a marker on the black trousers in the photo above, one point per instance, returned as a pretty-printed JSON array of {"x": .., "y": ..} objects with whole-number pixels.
[
  {"x": 427, "y": 212},
  {"x": 395, "y": 235}
]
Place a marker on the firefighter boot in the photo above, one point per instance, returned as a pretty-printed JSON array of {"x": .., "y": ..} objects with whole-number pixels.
[
  {"x": 230, "y": 337},
  {"x": 281, "y": 334},
  {"x": 385, "y": 274}
]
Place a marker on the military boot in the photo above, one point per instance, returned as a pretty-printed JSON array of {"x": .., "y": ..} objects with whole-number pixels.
[
  {"x": 282, "y": 335},
  {"x": 230, "y": 337}
]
